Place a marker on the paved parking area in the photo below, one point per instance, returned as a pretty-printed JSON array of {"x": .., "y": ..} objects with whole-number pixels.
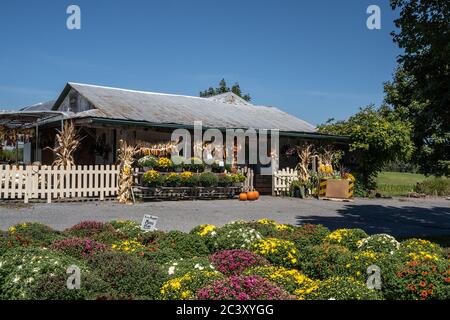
[{"x": 400, "y": 217}]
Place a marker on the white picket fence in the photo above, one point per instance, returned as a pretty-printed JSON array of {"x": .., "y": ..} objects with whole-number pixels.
[
  {"x": 248, "y": 183},
  {"x": 47, "y": 182},
  {"x": 282, "y": 180}
]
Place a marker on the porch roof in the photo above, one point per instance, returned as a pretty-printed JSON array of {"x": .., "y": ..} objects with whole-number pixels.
[{"x": 27, "y": 119}]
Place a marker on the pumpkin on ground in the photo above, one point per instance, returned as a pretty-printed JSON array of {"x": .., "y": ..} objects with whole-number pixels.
[{"x": 243, "y": 197}]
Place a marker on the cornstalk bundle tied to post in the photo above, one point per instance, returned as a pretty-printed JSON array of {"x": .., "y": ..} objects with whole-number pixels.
[
  {"x": 305, "y": 154},
  {"x": 68, "y": 142},
  {"x": 126, "y": 159}
]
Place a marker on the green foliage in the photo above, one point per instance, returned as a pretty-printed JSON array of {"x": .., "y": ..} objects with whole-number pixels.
[
  {"x": 54, "y": 287},
  {"x": 129, "y": 229},
  {"x": 225, "y": 180},
  {"x": 321, "y": 261},
  {"x": 349, "y": 238},
  {"x": 148, "y": 161},
  {"x": 420, "y": 93},
  {"x": 130, "y": 277},
  {"x": 35, "y": 234},
  {"x": 343, "y": 288},
  {"x": 22, "y": 268},
  {"x": 194, "y": 165},
  {"x": 184, "y": 244},
  {"x": 381, "y": 243},
  {"x": 185, "y": 287},
  {"x": 305, "y": 235},
  {"x": 377, "y": 137},
  {"x": 208, "y": 179},
  {"x": 435, "y": 186},
  {"x": 232, "y": 236},
  {"x": 179, "y": 267}
]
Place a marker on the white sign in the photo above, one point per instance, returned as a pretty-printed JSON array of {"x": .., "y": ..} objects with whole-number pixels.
[{"x": 149, "y": 223}]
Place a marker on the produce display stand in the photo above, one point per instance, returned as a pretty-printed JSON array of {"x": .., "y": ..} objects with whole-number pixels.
[{"x": 185, "y": 193}]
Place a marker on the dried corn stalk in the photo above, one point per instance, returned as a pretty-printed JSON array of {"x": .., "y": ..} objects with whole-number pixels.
[
  {"x": 304, "y": 153},
  {"x": 68, "y": 141},
  {"x": 126, "y": 159}
]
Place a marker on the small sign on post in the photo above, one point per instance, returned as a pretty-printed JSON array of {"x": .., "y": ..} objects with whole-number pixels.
[{"x": 149, "y": 223}]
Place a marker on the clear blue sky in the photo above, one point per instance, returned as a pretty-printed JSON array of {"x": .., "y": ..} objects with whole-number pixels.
[{"x": 313, "y": 59}]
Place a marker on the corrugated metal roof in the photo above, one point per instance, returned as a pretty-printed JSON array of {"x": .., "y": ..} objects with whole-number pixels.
[
  {"x": 121, "y": 104},
  {"x": 40, "y": 106}
]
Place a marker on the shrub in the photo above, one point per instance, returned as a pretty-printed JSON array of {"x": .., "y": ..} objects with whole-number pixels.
[
  {"x": 412, "y": 247},
  {"x": 291, "y": 280},
  {"x": 435, "y": 186},
  {"x": 208, "y": 179},
  {"x": 129, "y": 246},
  {"x": 10, "y": 241},
  {"x": 87, "y": 229},
  {"x": 243, "y": 288},
  {"x": 238, "y": 177},
  {"x": 305, "y": 235},
  {"x": 186, "y": 286},
  {"x": 129, "y": 276},
  {"x": 224, "y": 180},
  {"x": 269, "y": 228},
  {"x": 321, "y": 261},
  {"x": 129, "y": 229},
  {"x": 22, "y": 268},
  {"x": 194, "y": 164},
  {"x": 417, "y": 279},
  {"x": 234, "y": 262},
  {"x": 355, "y": 265},
  {"x": 172, "y": 180},
  {"x": 343, "y": 288},
  {"x": 179, "y": 267},
  {"x": 346, "y": 237},
  {"x": 232, "y": 237},
  {"x": 152, "y": 178},
  {"x": 148, "y": 161},
  {"x": 78, "y": 248},
  {"x": 279, "y": 252},
  {"x": 204, "y": 230},
  {"x": 381, "y": 243},
  {"x": 54, "y": 287},
  {"x": 35, "y": 234},
  {"x": 184, "y": 244}
]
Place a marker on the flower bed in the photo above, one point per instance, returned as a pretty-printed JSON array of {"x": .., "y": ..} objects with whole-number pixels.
[{"x": 241, "y": 260}]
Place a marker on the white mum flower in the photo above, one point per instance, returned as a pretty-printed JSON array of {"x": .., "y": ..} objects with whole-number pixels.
[{"x": 171, "y": 270}]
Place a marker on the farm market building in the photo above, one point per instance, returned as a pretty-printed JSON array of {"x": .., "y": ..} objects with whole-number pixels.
[{"x": 106, "y": 115}]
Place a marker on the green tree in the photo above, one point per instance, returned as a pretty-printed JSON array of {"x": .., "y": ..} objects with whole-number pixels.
[
  {"x": 420, "y": 90},
  {"x": 223, "y": 88},
  {"x": 377, "y": 136}
]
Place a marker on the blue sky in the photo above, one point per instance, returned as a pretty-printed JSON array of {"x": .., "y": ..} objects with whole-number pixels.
[{"x": 313, "y": 59}]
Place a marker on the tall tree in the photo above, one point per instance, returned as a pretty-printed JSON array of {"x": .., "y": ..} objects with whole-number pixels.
[
  {"x": 377, "y": 136},
  {"x": 420, "y": 90},
  {"x": 223, "y": 88}
]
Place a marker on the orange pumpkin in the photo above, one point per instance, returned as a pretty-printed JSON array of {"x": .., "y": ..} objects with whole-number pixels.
[
  {"x": 243, "y": 197},
  {"x": 251, "y": 195},
  {"x": 257, "y": 194}
]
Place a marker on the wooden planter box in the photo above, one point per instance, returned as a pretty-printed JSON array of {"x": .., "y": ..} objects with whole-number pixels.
[
  {"x": 186, "y": 193},
  {"x": 335, "y": 188}
]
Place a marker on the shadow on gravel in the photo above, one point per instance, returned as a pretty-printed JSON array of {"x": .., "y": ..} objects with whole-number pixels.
[{"x": 397, "y": 221}]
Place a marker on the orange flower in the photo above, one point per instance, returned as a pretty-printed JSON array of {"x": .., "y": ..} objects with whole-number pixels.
[
  {"x": 447, "y": 280},
  {"x": 422, "y": 284},
  {"x": 424, "y": 294}
]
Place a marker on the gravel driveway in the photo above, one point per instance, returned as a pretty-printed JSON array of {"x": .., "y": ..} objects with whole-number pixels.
[{"x": 399, "y": 217}]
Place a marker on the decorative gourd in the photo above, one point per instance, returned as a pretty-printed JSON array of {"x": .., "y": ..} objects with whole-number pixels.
[{"x": 243, "y": 197}]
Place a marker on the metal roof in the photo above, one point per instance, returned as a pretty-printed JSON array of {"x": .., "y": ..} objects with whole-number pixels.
[
  {"x": 40, "y": 106},
  {"x": 122, "y": 104},
  {"x": 26, "y": 119}
]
